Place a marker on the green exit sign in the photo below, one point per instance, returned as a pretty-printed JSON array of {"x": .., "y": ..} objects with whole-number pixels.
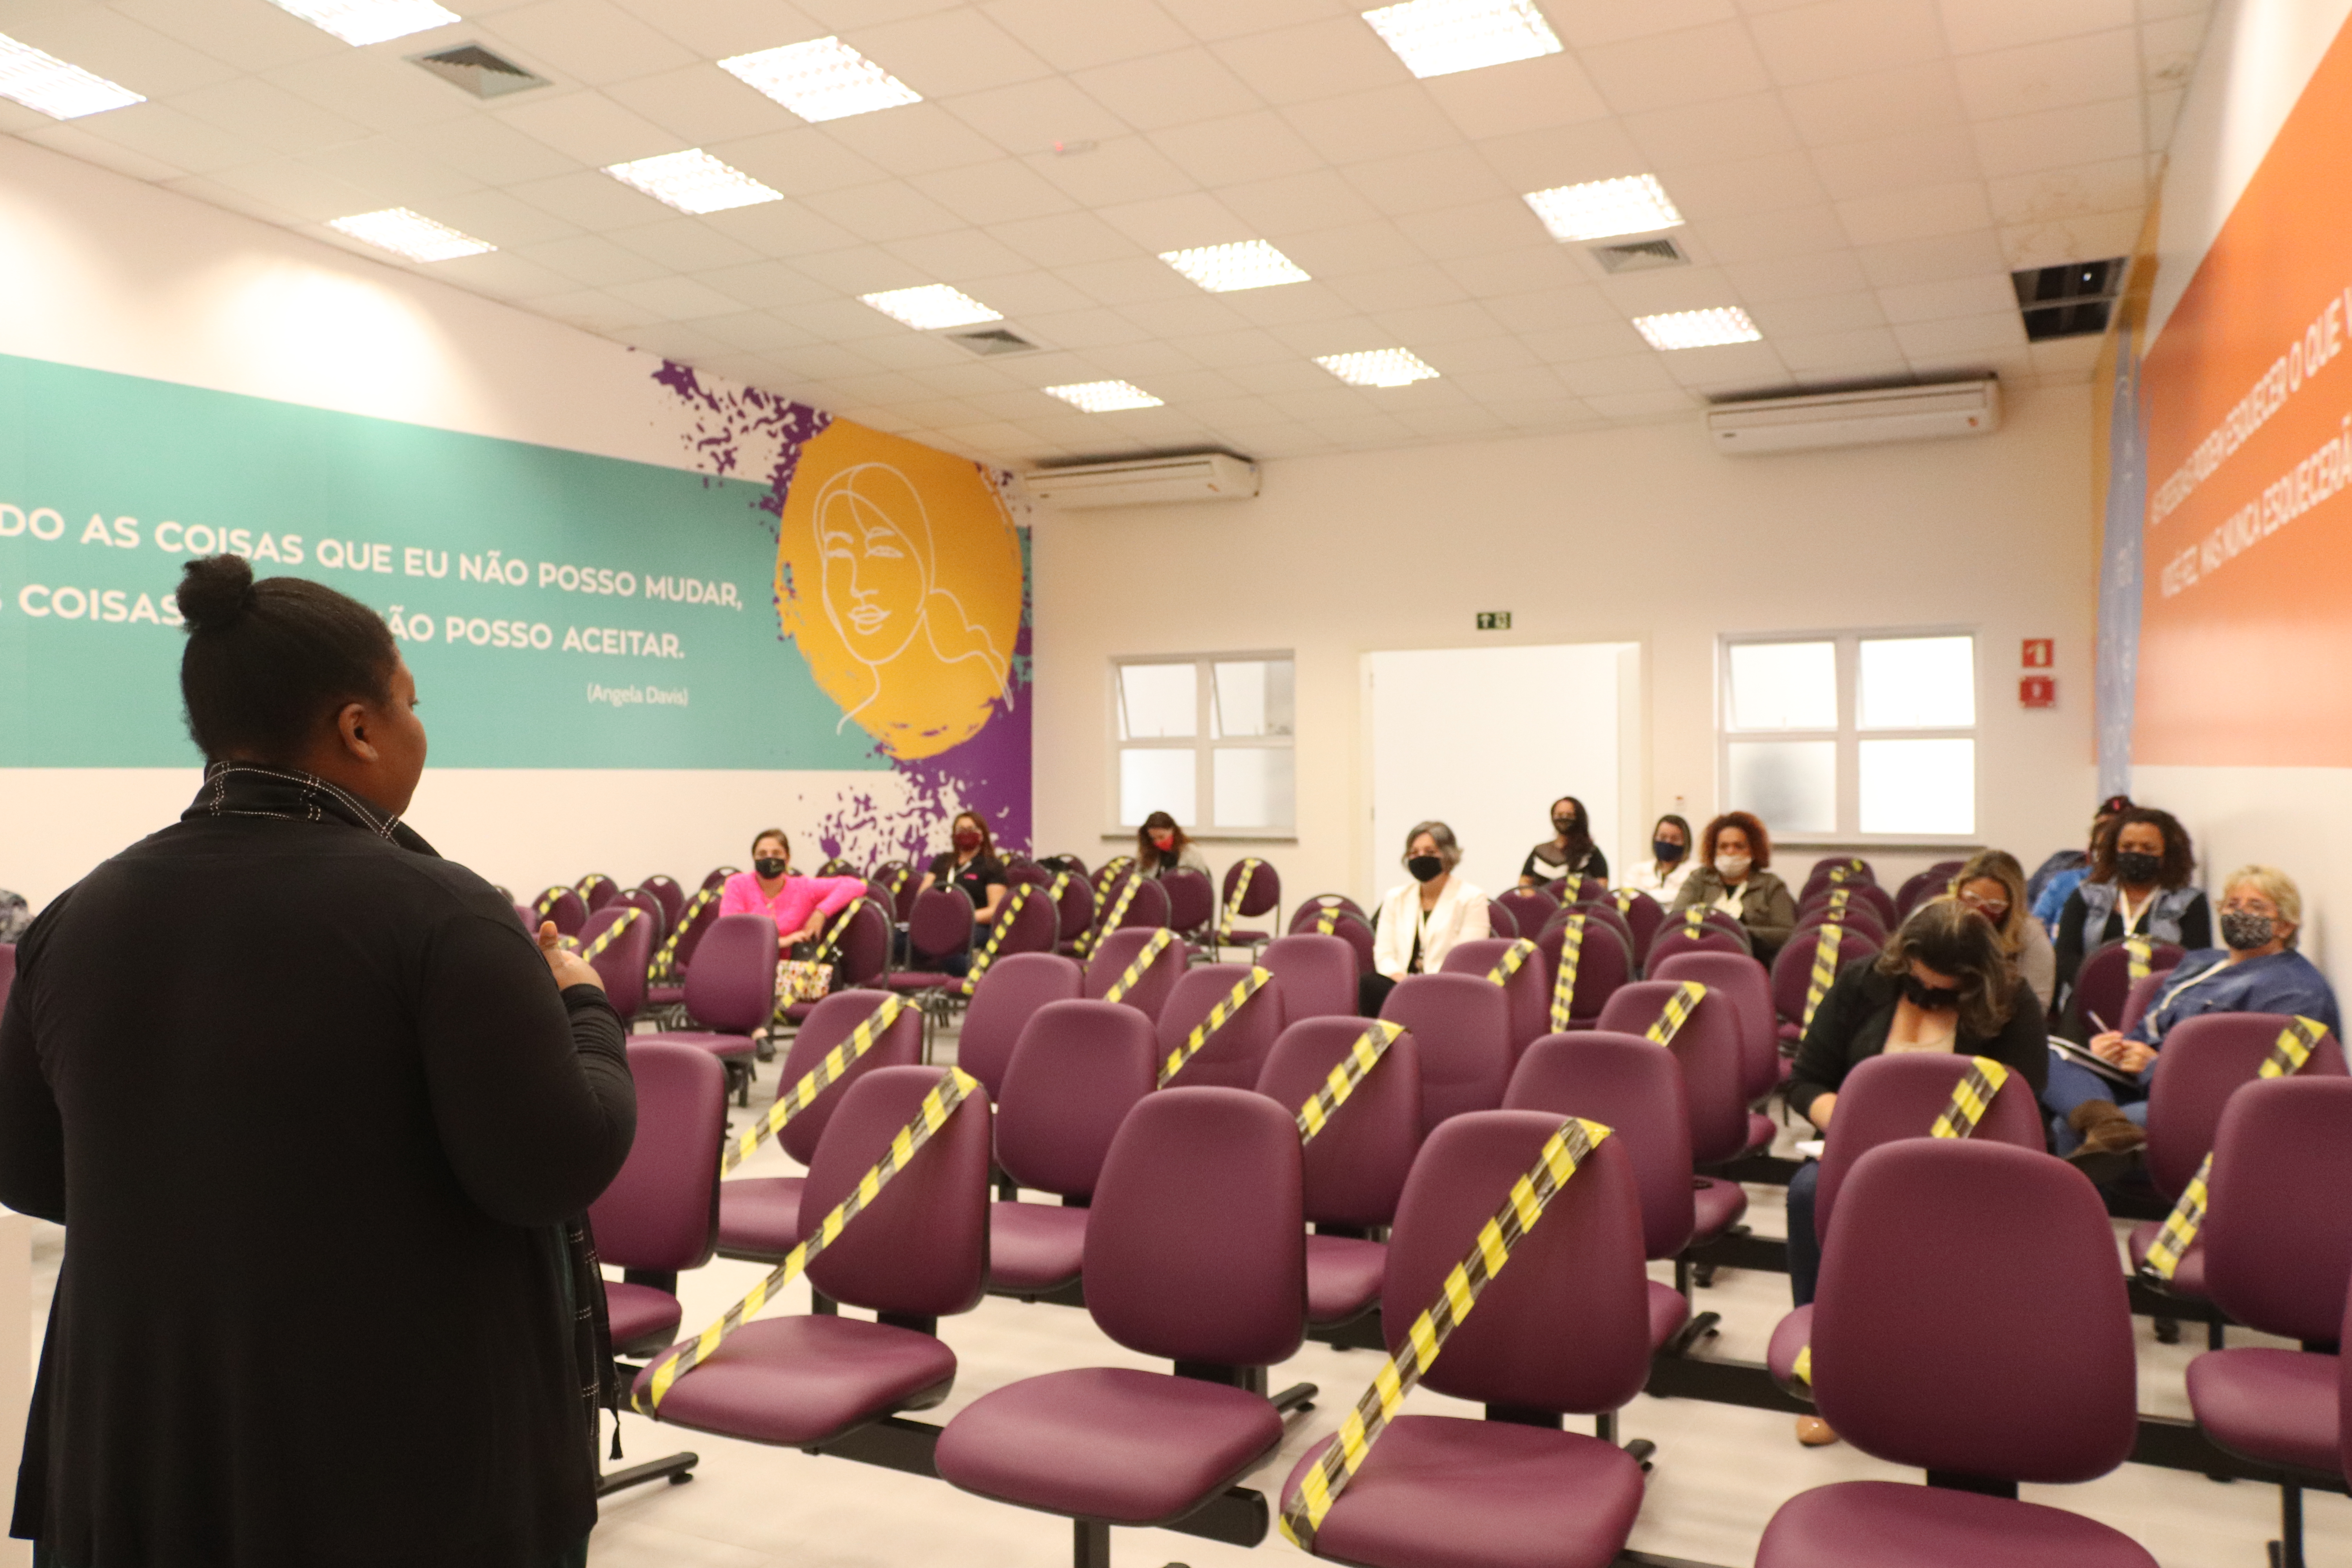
[{"x": 1494, "y": 620}]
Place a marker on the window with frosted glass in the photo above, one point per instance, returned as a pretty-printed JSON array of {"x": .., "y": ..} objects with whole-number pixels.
[
  {"x": 1207, "y": 739},
  {"x": 1790, "y": 785},
  {"x": 1916, "y": 683},
  {"x": 1156, "y": 780},
  {"x": 1784, "y": 686},
  {"x": 1919, "y": 786},
  {"x": 1157, "y": 700}
]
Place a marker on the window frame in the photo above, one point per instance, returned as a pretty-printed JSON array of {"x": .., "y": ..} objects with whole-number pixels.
[
  {"x": 1201, "y": 743},
  {"x": 1849, "y": 735}
]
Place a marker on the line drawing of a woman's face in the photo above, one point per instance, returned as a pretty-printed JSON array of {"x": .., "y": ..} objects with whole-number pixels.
[{"x": 876, "y": 573}]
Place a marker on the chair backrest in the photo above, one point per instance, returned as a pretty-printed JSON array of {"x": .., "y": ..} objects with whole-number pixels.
[
  {"x": 596, "y": 890},
  {"x": 1501, "y": 923},
  {"x": 1232, "y": 1056},
  {"x": 1603, "y": 912},
  {"x": 920, "y": 1247},
  {"x": 1076, "y": 1070},
  {"x": 1530, "y": 907},
  {"x": 2141, "y": 997},
  {"x": 732, "y": 987},
  {"x": 1356, "y": 1166},
  {"x": 1196, "y": 1242},
  {"x": 1031, "y": 928},
  {"x": 1681, "y": 936},
  {"x": 563, "y": 906},
  {"x": 1116, "y": 951},
  {"x": 1792, "y": 967},
  {"x": 2204, "y": 1061},
  {"x": 2026, "y": 1375},
  {"x": 903, "y": 901},
  {"x": 1265, "y": 887},
  {"x": 1643, "y": 915},
  {"x": 1318, "y": 975},
  {"x": 2278, "y": 1222},
  {"x": 1745, "y": 984},
  {"x": 1604, "y": 961},
  {"x": 1347, "y": 927},
  {"x": 863, "y": 950},
  {"x": 656, "y": 910},
  {"x": 1527, "y": 994},
  {"x": 1464, "y": 1025},
  {"x": 1860, "y": 919},
  {"x": 661, "y": 1211},
  {"x": 940, "y": 926},
  {"x": 1148, "y": 908},
  {"x": 1078, "y": 908},
  {"x": 1192, "y": 901},
  {"x": 1831, "y": 871},
  {"x": 831, "y": 1021},
  {"x": 716, "y": 876},
  {"x": 1585, "y": 890},
  {"x": 1888, "y": 1097},
  {"x": 1566, "y": 1327},
  {"x": 622, "y": 964},
  {"x": 1302, "y": 917},
  {"x": 694, "y": 923},
  {"x": 2104, "y": 983},
  {"x": 1008, "y": 995},
  {"x": 1917, "y": 889},
  {"x": 1859, "y": 896},
  {"x": 1018, "y": 873},
  {"x": 1625, "y": 1082},
  {"x": 672, "y": 897},
  {"x": 1707, "y": 1046}
]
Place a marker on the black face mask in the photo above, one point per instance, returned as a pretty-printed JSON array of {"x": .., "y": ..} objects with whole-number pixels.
[
  {"x": 2137, "y": 868},
  {"x": 1667, "y": 853},
  {"x": 769, "y": 867},
  {"x": 1934, "y": 998},
  {"x": 1426, "y": 868},
  {"x": 1564, "y": 826},
  {"x": 2244, "y": 931}
]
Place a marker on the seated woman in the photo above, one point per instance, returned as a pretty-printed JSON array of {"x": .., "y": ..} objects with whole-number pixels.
[
  {"x": 800, "y": 906},
  {"x": 1731, "y": 877},
  {"x": 1663, "y": 876},
  {"x": 1570, "y": 851},
  {"x": 1160, "y": 847},
  {"x": 1419, "y": 922},
  {"x": 2101, "y": 1124},
  {"x": 1942, "y": 985},
  {"x": 1993, "y": 885},
  {"x": 973, "y": 866},
  {"x": 2138, "y": 886}
]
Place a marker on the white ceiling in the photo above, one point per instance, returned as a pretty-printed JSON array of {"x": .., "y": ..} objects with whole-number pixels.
[{"x": 1860, "y": 175}]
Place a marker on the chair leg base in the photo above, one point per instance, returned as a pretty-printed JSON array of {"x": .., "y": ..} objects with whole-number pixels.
[
  {"x": 1641, "y": 1450},
  {"x": 1297, "y": 1397},
  {"x": 1090, "y": 1543},
  {"x": 1702, "y": 1326},
  {"x": 678, "y": 1469}
]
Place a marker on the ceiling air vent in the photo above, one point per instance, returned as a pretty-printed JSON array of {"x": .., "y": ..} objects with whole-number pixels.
[
  {"x": 2069, "y": 302},
  {"x": 992, "y": 341},
  {"x": 479, "y": 71},
  {"x": 1640, "y": 256}
]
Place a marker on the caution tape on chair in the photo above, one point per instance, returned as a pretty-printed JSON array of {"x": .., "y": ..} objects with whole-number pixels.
[
  {"x": 839, "y": 929},
  {"x": 937, "y": 1107},
  {"x": 1676, "y": 1013},
  {"x": 1625, "y": 897},
  {"x": 1827, "y": 945},
  {"x": 606, "y": 938},
  {"x": 665, "y": 962},
  {"x": 1514, "y": 959},
  {"x": 2139, "y": 955},
  {"x": 1563, "y": 986},
  {"x": 1563, "y": 1153},
  {"x": 546, "y": 900},
  {"x": 996, "y": 935},
  {"x": 1361, "y": 1058},
  {"x": 590, "y": 883},
  {"x": 2179, "y": 1233},
  {"x": 1247, "y": 986},
  {"x": 1326, "y": 922},
  {"x": 1157, "y": 943},
  {"x": 1112, "y": 917},
  {"x": 1234, "y": 905},
  {"x": 814, "y": 1082}
]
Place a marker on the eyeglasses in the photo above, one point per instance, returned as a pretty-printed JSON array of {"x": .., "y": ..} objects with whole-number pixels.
[{"x": 1992, "y": 910}]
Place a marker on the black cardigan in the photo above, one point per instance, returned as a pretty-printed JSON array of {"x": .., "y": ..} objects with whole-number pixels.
[
  {"x": 1851, "y": 1024},
  {"x": 313, "y": 1110}
]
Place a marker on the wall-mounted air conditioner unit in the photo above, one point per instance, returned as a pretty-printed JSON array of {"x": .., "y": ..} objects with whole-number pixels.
[
  {"x": 1857, "y": 418},
  {"x": 1142, "y": 481}
]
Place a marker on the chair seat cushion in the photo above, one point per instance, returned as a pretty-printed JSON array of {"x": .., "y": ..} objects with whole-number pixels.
[
  {"x": 1760, "y": 1132},
  {"x": 1790, "y": 1335},
  {"x": 718, "y": 1045},
  {"x": 665, "y": 995},
  {"x": 643, "y": 1318},
  {"x": 2189, "y": 1280},
  {"x": 1438, "y": 1491},
  {"x": 1033, "y": 1246},
  {"x": 1111, "y": 1443},
  {"x": 918, "y": 980},
  {"x": 760, "y": 1215},
  {"x": 2273, "y": 1406},
  {"x": 805, "y": 1379},
  {"x": 1790, "y": 1031},
  {"x": 1887, "y": 1524},
  {"x": 1718, "y": 1205},
  {"x": 1344, "y": 1275},
  {"x": 1669, "y": 1310}
]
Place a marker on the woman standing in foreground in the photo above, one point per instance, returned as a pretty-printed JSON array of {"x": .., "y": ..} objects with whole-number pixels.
[{"x": 319, "y": 1117}]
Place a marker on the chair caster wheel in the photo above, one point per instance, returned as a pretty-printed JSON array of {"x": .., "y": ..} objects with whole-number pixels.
[
  {"x": 2167, "y": 1331},
  {"x": 1703, "y": 1275}
]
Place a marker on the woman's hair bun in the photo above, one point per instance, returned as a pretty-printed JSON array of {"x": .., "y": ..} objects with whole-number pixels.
[{"x": 214, "y": 592}]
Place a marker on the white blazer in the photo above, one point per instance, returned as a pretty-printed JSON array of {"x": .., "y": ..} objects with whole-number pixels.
[
  {"x": 1643, "y": 878},
  {"x": 1460, "y": 915}
]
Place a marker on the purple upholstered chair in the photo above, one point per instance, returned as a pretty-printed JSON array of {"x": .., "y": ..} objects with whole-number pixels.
[
  {"x": 1318, "y": 974},
  {"x": 1527, "y": 994},
  {"x": 655, "y": 1218},
  {"x": 1501, "y": 923},
  {"x": 1563, "y": 1330},
  {"x": 693, "y": 923},
  {"x": 1918, "y": 888},
  {"x": 2278, "y": 1247},
  {"x": 1265, "y": 896},
  {"x": 1792, "y": 973},
  {"x": 731, "y": 990},
  {"x": 1681, "y": 936},
  {"x": 1076, "y": 1071},
  {"x": 716, "y": 876},
  {"x": 1529, "y": 908},
  {"x": 672, "y": 897},
  {"x": 916, "y": 1254},
  {"x": 2141, "y": 997},
  {"x": 1643, "y": 914},
  {"x": 902, "y": 882},
  {"x": 940, "y": 929},
  {"x": 645, "y": 899},
  {"x": 1350, "y": 928},
  {"x": 622, "y": 965},
  {"x": 563, "y": 906},
  {"x": 1148, "y": 908},
  {"x": 1463, "y": 1024},
  {"x": 1008, "y": 995},
  {"x": 1232, "y": 1056},
  {"x": 1356, "y": 1166},
  {"x": 1860, "y": 922},
  {"x": 759, "y": 1216},
  {"x": 1746, "y": 985},
  {"x": 1195, "y": 1254},
  {"x": 862, "y": 956},
  {"x": 1302, "y": 917},
  {"x": 596, "y": 890},
  {"x": 1600, "y": 912},
  {"x": 1075, "y": 914},
  {"x": 1886, "y": 1099},
  {"x": 1865, "y": 899},
  {"x": 2026, "y": 1376},
  {"x": 1709, "y": 1047},
  {"x": 1831, "y": 870},
  {"x": 2103, "y": 983},
  {"x": 1604, "y": 962},
  {"x": 1119, "y": 949},
  {"x": 1192, "y": 904}
]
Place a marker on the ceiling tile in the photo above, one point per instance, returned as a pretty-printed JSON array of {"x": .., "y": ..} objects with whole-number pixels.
[
  {"x": 948, "y": 52},
  {"x": 1671, "y": 288},
  {"x": 1613, "y": 339},
  {"x": 2087, "y": 133},
  {"x": 684, "y": 244},
  {"x": 959, "y": 253},
  {"x": 767, "y": 284},
  {"x": 297, "y": 189},
  {"x": 1747, "y": 185},
  {"x": 1397, "y": 288},
  {"x": 1386, "y": 122},
  {"x": 1872, "y": 347},
  {"x": 1234, "y": 19},
  {"x": 1034, "y": 117},
  {"x": 1797, "y": 277},
  {"x": 2119, "y": 184},
  {"x": 913, "y": 138},
  {"x": 1770, "y": 237},
  {"x": 780, "y": 228},
  {"x": 1847, "y": 38},
  {"x": 1248, "y": 345},
  {"x": 1499, "y": 224},
  {"x": 1128, "y": 281},
  {"x": 2168, "y": 48},
  {"x": 887, "y": 211},
  {"x": 1237, "y": 149},
  {"x": 1025, "y": 294},
  {"x": 1464, "y": 320},
  {"x": 1177, "y": 223},
  {"x": 1551, "y": 309},
  {"x": 2088, "y": 238},
  {"x": 1891, "y": 164},
  {"x": 1669, "y": 68},
  {"x": 385, "y": 93},
  {"x": 1082, "y": 329},
  {"x": 1481, "y": 356},
  {"x": 701, "y": 104},
  {"x": 1751, "y": 125},
  {"x": 269, "y": 115},
  {"x": 993, "y": 192},
  {"x": 1564, "y": 156},
  {"x": 1503, "y": 383},
  {"x": 1127, "y": 169},
  {"x": 863, "y": 269},
  {"x": 1962, "y": 334},
  {"x": 489, "y": 150},
  {"x": 1318, "y": 60},
  {"x": 1976, "y": 25},
  {"x": 76, "y": 143},
  {"x": 1353, "y": 249},
  {"x": 1068, "y": 238},
  {"x": 1427, "y": 182},
  {"x": 677, "y": 299},
  {"x": 594, "y": 202},
  {"x": 395, "y": 172},
  {"x": 593, "y": 311},
  {"x": 1851, "y": 311},
  {"x": 715, "y": 29},
  {"x": 1726, "y": 365},
  {"x": 502, "y": 275},
  {"x": 1917, "y": 214},
  {"x": 1296, "y": 304},
  {"x": 1495, "y": 273},
  {"x": 593, "y": 260},
  {"x": 1297, "y": 202},
  {"x": 2066, "y": 356},
  {"x": 591, "y": 128},
  {"x": 1173, "y": 89},
  {"x": 163, "y": 132},
  {"x": 1643, "y": 371},
  {"x": 798, "y": 162},
  {"x": 2055, "y": 75},
  {"x": 1585, "y": 23},
  {"x": 258, "y": 37},
  {"x": 101, "y": 39},
  {"x": 1981, "y": 296},
  {"x": 589, "y": 41},
  {"x": 1525, "y": 95},
  {"x": 1929, "y": 260},
  {"x": 1072, "y": 34},
  {"x": 1883, "y": 103}
]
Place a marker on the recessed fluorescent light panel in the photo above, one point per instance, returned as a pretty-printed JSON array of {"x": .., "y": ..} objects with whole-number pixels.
[
  {"x": 694, "y": 182},
  {"x": 1223, "y": 268},
  {"x": 46, "y": 84},
  {"x": 369, "y": 21},
  {"x": 1378, "y": 367},
  {"x": 1699, "y": 328},
  {"x": 1438, "y": 38},
  {"x": 1104, "y": 396},
  {"x": 824, "y": 78},
  {"x": 408, "y": 234},
  {"x": 932, "y": 305},
  {"x": 1601, "y": 210}
]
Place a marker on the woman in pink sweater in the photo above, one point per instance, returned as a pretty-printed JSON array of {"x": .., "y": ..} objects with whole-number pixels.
[{"x": 799, "y": 905}]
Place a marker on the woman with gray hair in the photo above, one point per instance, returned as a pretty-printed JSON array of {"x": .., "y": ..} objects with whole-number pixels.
[{"x": 1419, "y": 922}]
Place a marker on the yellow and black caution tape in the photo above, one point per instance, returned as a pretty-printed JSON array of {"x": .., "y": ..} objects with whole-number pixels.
[
  {"x": 1112, "y": 916},
  {"x": 1327, "y": 920},
  {"x": 546, "y": 900},
  {"x": 1827, "y": 945},
  {"x": 1625, "y": 897},
  {"x": 2287, "y": 1054},
  {"x": 1678, "y": 1009},
  {"x": 1562, "y": 1153},
  {"x": 1234, "y": 905},
  {"x": 1157, "y": 943},
  {"x": 937, "y": 1107},
  {"x": 1361, "y": 1058},
  {"x": 815, "y": 1081},
  {"x": 1247, "y": 986},
  {"x": 1563, "y": 986},
  {"x": 1839, "y": 896},
  {"x": 1111, "y": 870},
  {"x": 839, "y": 929},
  {"x": 2138, "y": 957},
  {"x": 1514, "y": 959},
  {"x": 589, "y": 884},
  {"x": 1847, "y": 871},
  {"x": 665, "y": 961},
  {"x": 611, "y": 933},
  {"x": 996, "y": 935},
  {"x": 897, "y": 885}
]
